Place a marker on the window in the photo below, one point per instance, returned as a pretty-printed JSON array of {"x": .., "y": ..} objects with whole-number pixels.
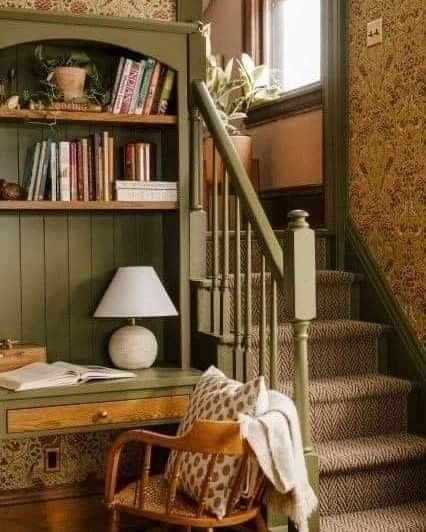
[{"x": 292, "y": 41}]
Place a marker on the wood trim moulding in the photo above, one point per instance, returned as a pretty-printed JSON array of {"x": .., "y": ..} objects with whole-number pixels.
[
  {"x": 383, "y": 306},
  {"x": 253, "y": 29},
  {"x": 32, "y": 15},
  {"x": 303, "y": 100}
]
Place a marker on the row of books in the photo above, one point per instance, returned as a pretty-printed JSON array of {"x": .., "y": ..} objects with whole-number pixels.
[
  {"x": 139, "y": 161},
  {"x": 141, "y": 87},
  {"x": 78, "y": 170}
]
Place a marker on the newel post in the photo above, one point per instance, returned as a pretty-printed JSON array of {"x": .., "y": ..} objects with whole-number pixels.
[{"x": 300, "y": 294}]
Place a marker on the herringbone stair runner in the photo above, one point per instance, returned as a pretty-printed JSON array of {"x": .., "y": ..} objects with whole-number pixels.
[{"x": 372, "y": 472}]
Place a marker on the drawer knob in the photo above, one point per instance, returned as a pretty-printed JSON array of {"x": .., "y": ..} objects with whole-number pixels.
[{"x": 103, "y": 414}]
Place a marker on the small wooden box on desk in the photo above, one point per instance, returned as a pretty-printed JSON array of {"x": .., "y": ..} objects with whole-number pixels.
[
  {"x": 155, "y": 396},
  {"x": 16, "y": 355}
]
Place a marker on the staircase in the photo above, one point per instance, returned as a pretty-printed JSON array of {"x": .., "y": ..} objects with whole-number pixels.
[{"x": 371, "y": 469}]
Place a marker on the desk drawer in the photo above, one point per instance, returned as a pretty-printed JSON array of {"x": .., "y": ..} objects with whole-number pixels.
[{"x": 95, "y": 414}]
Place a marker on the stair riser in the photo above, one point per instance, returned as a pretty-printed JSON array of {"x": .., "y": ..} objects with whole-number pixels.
[
  {"x": 355, "y": 491},
  {"x": 338, "y": 356},
  {"x": 321, "y": 245},
  {"x": 365, "y": 416}
]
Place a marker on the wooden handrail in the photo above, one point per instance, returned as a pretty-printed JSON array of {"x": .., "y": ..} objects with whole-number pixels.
[{"x": 239, "y": 179}]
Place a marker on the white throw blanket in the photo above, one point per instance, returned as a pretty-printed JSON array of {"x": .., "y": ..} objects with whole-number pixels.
[{"x": 276, "y": 441}]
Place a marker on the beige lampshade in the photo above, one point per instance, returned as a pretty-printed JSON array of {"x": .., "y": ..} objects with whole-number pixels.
[{"x": 135, "y": 292}]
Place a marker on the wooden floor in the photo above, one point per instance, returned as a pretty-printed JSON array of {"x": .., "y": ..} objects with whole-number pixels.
[
  {"x": 67, "y": 515},
  {"x": 79, "y": 514}
]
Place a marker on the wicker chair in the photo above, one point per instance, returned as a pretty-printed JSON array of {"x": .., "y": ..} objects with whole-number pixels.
[{"x": 152, "y": 497}]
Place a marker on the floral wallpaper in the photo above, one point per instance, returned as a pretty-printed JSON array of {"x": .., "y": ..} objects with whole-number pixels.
[
  {"x": 387, "y": 152},
  {"x": 151, "y": 9}
]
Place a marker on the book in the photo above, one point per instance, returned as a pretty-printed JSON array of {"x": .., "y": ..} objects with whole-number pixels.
[
  {"x": 130, "y": 88},
  {"x": 146, "y": 190},
  {"x": 146, "y": 80},
  {"x": 91, "y": 157},
  {"x": 116, "y": 83},
  {"x": 105, "y": 165},
  {"x": 158, "y": 89},
  {"x": 64, "y": 171},
  {"x": 34, "y": 166},
  {"x": 110, "y": 165},
  {"x": 85, "y": 169},
  {"x": 42, "y": 375},
  {"x": 139, "y": 162},
  {"x": 135, "y": 95},
  {"x": 73, "y": 167},
  {"x": 130, "y": 161},
  {"x": 44, "y": 172},
  {"x": 166, "y": 92},
  {"x": 53, "y": 171},
  {"x": 40, "y": 169},
  {"x": 149, "y": 102},
  {"x": 122, "y": 86},
  {"x": 98, "y": 178},
  {"x": 80, "y": 182}
]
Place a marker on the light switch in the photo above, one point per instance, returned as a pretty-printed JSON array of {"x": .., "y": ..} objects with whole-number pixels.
[{"x": 375, "y": 32}]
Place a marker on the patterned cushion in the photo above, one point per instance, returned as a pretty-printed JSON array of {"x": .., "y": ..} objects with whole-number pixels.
[{"x": 216, "y": 398}]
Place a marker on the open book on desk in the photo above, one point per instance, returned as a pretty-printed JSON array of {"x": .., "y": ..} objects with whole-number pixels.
[{"x": 42, "y": 375}]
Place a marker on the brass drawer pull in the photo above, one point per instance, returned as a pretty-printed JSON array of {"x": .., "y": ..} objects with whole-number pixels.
[{"x": 102, "y": 415}]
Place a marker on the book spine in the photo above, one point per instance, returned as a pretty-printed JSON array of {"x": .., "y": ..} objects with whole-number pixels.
[
  {"x": 45, "y": 172},
  {"x": 111, "y": 166},
  {"x": 79, "y": 167},
  {"x": 100, "y": 158},
  {"x": 122, "y": 87},
  {"x": 105, "y": 165},
  {"x": 98, "y": 167},
  {"x": 147, "y": 185},
  {"x": 40, "y": 169},
  {"x": 166, "y": 92},
  {"x": 73, "y": 164},
  {"x": 64, "y": 171},
  {"x": 148, "y": 160},
  {"x": 54, "y": 170},
  {"x": 31, "y": 186},
  {"x": 139, "y": 162},
  {"x": 146, "y": 195},
  {"x": 152, "y": 88},
  {"x": 116, "y": 83},
  {"x": 158, "y": 89},
  {"x": 130, "y": 87},
  {"x": 85, "y": 167},
  {"x": 90, "y": 169},
  {"x": 135, "y": 95},
  {"x": 146, "y": 80},
  {"x": 130, "y": 161}
]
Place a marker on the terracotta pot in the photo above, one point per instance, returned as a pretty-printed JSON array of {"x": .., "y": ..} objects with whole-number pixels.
[
  {"x": 243, "y": 145},
  {"x": 71, "y": 81}
]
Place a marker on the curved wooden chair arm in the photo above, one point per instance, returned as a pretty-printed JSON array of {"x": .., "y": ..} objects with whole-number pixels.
[{"x": 211, "y": 437}]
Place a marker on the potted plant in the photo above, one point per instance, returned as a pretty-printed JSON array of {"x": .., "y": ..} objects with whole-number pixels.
[
  {"x": 66, "y": 77},
  {"x": 235, "y": 89}
]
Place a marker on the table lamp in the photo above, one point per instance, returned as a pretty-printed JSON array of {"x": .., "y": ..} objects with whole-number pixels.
[{"x": 134, "y": 292}]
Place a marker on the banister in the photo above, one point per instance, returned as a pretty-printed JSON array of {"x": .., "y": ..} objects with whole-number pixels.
[{"x": 239, "y": 178}]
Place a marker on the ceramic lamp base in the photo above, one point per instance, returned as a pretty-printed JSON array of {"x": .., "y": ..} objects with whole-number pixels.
[{"x": 133, "y": 347}]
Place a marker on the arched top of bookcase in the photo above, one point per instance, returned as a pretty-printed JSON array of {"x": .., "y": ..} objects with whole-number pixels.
[{"x": 165, "y": 42}]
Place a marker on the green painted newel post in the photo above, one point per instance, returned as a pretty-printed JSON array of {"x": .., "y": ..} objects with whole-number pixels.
[{"x": 300, "y": 293}]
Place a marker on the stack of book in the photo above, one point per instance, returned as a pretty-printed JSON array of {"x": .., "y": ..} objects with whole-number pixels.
[
  {"x": 141, "y": 87},
  {"x": 78, "y": 170},
  {"x": 139, "y": 161},
  {"x": 146, "y": 190}
]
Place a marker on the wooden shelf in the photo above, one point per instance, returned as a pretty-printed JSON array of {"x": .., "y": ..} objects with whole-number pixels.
[
  {"x": 88, "y": 205},
  {"x": 81, "y": 116}
]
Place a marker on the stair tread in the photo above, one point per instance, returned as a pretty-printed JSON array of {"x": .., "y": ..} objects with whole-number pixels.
[
  {"x": 370, "y": 452},
  {"x": 352, "y": 387},
  {"x": 411, "y": 516},
  {"x": 323, "y": 328},
  {"x": 323, "y": 276}
]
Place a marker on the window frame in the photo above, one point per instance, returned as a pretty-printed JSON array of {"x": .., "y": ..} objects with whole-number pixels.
[{"x": 303, "y": 99}]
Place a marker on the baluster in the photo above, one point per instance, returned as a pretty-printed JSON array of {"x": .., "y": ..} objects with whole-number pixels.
[
  {"x": 215, "y": 228},
  {"x": 300, "y": 292},
  {"x": 248, "y": 309},
  {"x": 197, "y": 158},
  {"x": 239, "y": 363},
  {"x": 262, "y": 339},
  {"x": 225, "y": 300},
  {"x": 273, "y": 364}
]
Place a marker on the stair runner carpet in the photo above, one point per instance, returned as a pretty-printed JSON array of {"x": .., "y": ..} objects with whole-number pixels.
[{"x": 372, "y": 472}]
